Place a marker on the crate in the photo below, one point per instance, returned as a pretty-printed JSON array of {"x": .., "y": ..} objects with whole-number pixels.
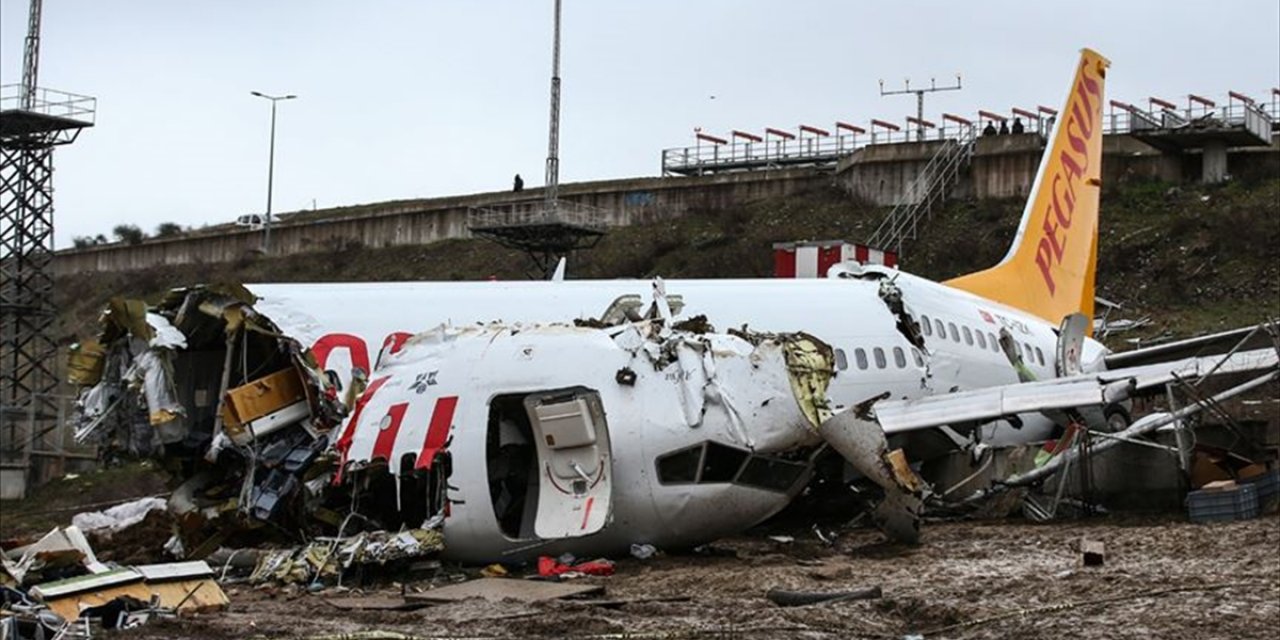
[
  {"x": 1219, "y": 505},
  {"x": 1268, "y": 485},
  {"x": 261, "y": 397}
]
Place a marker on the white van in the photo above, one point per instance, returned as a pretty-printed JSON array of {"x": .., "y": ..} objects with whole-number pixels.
[{"x": 251, "y": 221}]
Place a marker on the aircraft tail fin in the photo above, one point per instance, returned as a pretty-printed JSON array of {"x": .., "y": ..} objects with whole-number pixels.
[{"x": 1049, "y": 270}]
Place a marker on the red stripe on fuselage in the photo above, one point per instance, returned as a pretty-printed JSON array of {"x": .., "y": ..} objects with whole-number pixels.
[
  {"x": 344, "y": 442},
  {"x": 386, "y": 441},
  {"x": 438, "y": 431}
]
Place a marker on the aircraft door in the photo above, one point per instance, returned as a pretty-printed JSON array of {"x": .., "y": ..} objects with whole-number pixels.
[
  {"x": 1070, "y": 345},
  {"x": 575, "y": 465}
]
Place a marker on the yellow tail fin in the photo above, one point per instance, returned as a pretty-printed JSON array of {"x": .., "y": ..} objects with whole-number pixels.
[{"x": 1049, "y": 271}]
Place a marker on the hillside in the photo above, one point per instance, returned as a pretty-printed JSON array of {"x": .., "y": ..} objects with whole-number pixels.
[{"x": 1193, "y": 258}]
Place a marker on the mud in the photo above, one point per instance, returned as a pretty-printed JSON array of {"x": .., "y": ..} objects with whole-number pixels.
[{"x": 1163, "y": 578}]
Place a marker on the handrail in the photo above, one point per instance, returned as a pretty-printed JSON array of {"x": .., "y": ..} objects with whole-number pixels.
[
  {"x": 537, "y": 212},
  {"x": 929, "y": 186},
  {"x": 49, "y": 102},
  {"x": 777, "y": 150}
]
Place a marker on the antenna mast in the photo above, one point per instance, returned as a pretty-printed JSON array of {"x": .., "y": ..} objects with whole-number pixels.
[
  {"x": 553, "y": 143},
  {"x": 31, "y": 57}
]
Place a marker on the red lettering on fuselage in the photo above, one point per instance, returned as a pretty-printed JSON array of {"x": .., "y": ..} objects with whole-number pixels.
[
  {"x": 1068, "y": 174},
  {"x": 354, "y": 345}
]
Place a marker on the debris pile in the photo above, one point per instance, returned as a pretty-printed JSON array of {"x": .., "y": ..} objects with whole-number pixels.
[
  {"x": 231, "y": 405},
  {"x": 57, "y": 588}
]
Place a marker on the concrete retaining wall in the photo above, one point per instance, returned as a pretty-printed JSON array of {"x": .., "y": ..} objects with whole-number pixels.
[
  {"x": 1002, "y": 167},
  {"x": 429, "y": 220}
]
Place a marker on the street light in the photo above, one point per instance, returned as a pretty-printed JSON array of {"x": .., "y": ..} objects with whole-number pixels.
[{"x": 271, "y": 164}]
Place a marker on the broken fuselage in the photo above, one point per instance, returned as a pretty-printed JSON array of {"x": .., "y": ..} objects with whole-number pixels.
[{"x": 551, "y": 438}]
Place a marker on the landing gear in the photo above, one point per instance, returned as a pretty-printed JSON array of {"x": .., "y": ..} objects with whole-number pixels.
[{"x": 1118, "y": 418}]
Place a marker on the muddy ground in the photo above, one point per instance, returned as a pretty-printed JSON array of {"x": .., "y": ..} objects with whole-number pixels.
[{"x": 1163, "y": 578}]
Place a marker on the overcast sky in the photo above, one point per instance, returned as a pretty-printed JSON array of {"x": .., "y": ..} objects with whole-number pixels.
[{"x": 430, "y": 98}]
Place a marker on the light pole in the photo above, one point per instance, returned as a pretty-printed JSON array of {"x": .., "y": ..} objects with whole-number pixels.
[{"x": 271, "y": 165}]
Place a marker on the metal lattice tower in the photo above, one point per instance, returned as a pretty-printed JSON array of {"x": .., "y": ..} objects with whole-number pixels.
[{"x": 32, "y": 122}]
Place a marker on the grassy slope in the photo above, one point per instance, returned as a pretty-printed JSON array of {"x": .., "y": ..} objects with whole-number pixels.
[{"x": 1193, "y": 258}]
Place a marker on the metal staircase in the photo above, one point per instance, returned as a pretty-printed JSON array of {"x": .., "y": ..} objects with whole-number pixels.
[{"x": 927, "y": 191}]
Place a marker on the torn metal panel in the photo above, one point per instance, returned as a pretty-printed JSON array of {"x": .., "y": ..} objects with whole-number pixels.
[
  {"x": 862, "y": 443},
  {"x": 59, "y": 549}
]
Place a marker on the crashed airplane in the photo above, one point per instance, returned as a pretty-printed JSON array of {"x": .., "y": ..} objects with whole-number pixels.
[{"x": 668, "y": 413}]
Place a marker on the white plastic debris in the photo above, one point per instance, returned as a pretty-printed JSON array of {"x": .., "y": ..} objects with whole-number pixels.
[
  {"x": 166, "y": 335},
  {"x": 643, "y": 551},
  {"x": 121, "y": 516}
]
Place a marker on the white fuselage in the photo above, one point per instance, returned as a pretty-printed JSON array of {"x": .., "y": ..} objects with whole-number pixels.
[
  {"x": 848, "y": 314},
  {"x": 873, "y": 357}
]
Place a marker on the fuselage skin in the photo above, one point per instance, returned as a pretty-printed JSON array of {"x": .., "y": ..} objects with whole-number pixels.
[{"x": 873, "y": 358}]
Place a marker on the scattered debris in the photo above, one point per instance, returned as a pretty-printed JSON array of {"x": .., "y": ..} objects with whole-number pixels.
[
  {"x": 551, "y": 567},
  {"x": 121, "y": 516},
  {"x": 643, "y": 551},
  {"x": 180, "y": 587},
  {"x": 329, "y": 558},
  {"x": 57, "y": 585},
  {"x": 1093, "y": 553},
  {"x": 503, "y": 589},
  {"x": 61, "y": 552},
  {"x": 1223, "y": 501}
]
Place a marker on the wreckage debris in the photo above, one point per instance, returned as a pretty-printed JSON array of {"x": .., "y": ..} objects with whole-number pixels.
[
  {"x": 786, "y": 598},
  {"x": 57, "y": 586},
  {"x": 496, "y": 589},
  {"x": 1223, "y": 501},
  {"x": 327, "y": 559}
]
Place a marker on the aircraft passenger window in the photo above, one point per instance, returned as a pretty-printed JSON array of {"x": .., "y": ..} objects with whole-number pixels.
[
  {"x": 773, "y": 474},
  {"x": 968, "y": 336},
  {"x": 915, "y": 353},
  {"x": 880, "y": 361},
  {"x": 842, "y": 362},
  {"x": 680, "y": 467},
  {"x": 942, "y": 332},
  {"x": 1039, "y": 356},
  {"x": 982, "y": 340},
  {"x": 995, "y": 344},
  {"x": 721, "y": 464},
  {"x": 860, "y": 355},
  {"x": 955, "y": 335},
  {"x": 1026, "y": 350},
  {"x": 899, "y": 358},
  {"x": 925, "y": 326}
]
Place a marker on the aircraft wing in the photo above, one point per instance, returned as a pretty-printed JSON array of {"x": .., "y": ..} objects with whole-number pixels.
[
  {"x": 1255, "y": 337},
  {"x": 1084, "y": 390}
]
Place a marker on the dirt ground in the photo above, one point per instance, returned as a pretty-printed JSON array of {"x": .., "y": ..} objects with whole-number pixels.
[{"x": 1163, "y": 578}]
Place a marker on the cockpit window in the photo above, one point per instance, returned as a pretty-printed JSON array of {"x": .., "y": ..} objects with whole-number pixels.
[
  {"x": 721, "y": 463},
  {"x": 774, "y": 474},
  {"x": 680, "y": 467},
  {"x": 715, "y": 463}
]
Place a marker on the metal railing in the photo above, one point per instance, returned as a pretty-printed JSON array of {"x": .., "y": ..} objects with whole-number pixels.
[
  {"x": 928, "y": 189},
  {"x": 537, "y": 212},
  {"x": 49, "y": 102},
  {"x": 1255, "y": 118},
  {"x": 808, "y": 150}
]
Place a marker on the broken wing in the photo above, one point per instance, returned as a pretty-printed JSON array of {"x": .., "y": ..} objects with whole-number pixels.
[{"x": 1084, "y": 390}]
